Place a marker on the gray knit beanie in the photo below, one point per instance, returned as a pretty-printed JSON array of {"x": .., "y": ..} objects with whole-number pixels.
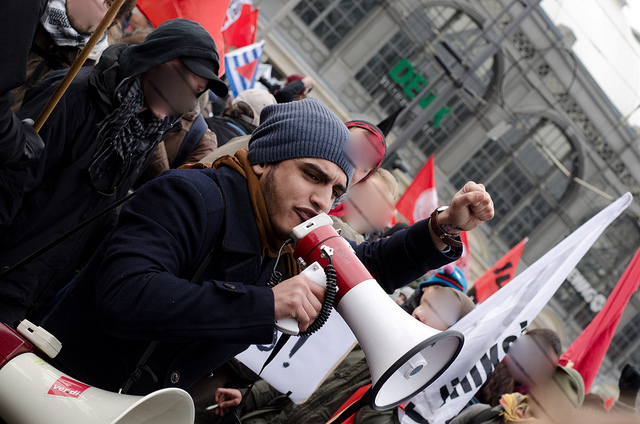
[{"x": 301, "y": 129}]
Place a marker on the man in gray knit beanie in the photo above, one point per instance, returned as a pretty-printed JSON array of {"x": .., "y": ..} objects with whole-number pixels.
[{"x": 191, "y": 257}]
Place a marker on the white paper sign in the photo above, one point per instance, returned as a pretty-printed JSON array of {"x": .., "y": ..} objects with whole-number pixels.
[{"x": 303, "y": 363}]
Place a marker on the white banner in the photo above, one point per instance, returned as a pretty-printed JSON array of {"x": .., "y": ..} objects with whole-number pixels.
[
  {"x": 303, "y": 363},
  {"x": 500, "y": 320}
]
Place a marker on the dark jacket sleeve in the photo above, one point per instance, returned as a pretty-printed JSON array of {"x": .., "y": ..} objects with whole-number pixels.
[
  {"x": 288, "y": 93},
  {"x": 20, "y": 144},
  {"x": 142, "y": 288},
  {"x": 469, "y": 414},
  {"x": 406, "y": 255},
  {"x": 15, "y": 184},
  {"x": 367, "y": 415},
  {"x": 18, "y": 24}
]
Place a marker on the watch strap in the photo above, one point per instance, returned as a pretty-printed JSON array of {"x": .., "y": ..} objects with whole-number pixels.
[{"x": 452, "y": 240}]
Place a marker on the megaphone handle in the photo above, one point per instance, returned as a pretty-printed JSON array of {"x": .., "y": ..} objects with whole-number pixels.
[
  {"x": 316, "y": 274},
  {"x": 288, "y": 326}
]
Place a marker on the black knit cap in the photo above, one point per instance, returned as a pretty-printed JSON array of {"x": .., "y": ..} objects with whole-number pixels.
[
  {"x": 301, "y": 129},
  {"x": 177, "y": 38}
]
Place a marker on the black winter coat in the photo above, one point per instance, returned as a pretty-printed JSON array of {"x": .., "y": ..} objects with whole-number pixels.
[
  {"x": 53, "y": 195},
  {"x": 18, "y": 23},
  {"x": 136, "y": 288}
]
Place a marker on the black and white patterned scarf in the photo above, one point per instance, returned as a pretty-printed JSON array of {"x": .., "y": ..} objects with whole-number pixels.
[
  {"x": 125, "y": 139},
  {"x": 56, "y": 22}
]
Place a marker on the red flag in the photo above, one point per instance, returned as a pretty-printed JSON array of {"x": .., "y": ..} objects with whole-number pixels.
[
  {"x": 242, "y": 31},
  {"x": 209, "y": 14},
  {"x": 609, "y": 402},
  {"x": 500, "y": 273},
  {"x": 464, "y": 263},
  {"x": 420, "y": 198},
  {"x": 588, "y": 350},
  {"x": 419, "y": 201}
]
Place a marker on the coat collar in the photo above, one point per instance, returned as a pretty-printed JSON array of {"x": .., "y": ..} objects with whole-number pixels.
[{"x": 241, "y": 232}]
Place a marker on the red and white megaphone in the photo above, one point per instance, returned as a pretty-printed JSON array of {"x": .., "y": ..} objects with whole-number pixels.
[
  {"x": 403, "y": 354},
  {"x": 33, "y": 391}
]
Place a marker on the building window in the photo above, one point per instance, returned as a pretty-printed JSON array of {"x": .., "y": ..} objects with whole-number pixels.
[
  {"x": 624, "y": 338},
  {"x": 390, "y": 55},
  {"x": 521, "y": 176},
  {"x": 332, "y": 20},
  {"x": 606, "y": 261},
  {"x": 430, "y": 36}
]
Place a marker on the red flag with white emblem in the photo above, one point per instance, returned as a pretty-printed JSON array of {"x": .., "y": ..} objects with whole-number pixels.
[
  {"x": 420, "y": 198},
  {"x": 239, "y": 29}
]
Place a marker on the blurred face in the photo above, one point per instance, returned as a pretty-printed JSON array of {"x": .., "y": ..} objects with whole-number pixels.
[
  {"x": 530, "y": 361},
  {"x": 85, "y": 15},
  {"x": 298, "y": 189},
  {"x": 439, "y": 308},
  {"x": 363, "y": 152},
  {"x": 369, "y": 206},
  {"x": 139, "y": 21},
  {"x": 171, "y": 89}
]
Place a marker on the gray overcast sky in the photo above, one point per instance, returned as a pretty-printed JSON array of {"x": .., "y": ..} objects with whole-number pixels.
[{"x": 606, "y": 45}]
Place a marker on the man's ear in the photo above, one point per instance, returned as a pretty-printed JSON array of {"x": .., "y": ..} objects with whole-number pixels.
[{"x": 259, "y": 168}]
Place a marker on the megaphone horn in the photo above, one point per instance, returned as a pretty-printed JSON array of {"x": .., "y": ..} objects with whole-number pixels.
[
  {"x": 33, "y": 391},
  {"x": 403, "y": 354}
]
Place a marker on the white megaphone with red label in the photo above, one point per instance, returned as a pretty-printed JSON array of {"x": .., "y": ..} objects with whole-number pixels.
[
  {"x": 403, "y": 354},
  {"x": 33, "y": 391}
]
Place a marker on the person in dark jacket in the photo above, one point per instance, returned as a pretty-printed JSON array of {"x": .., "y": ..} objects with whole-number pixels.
[
  {"x": 147, "y": 317},
  {"x": 64, "y": 28},
  {"x": 19, "y": 142},
  {"x": 98, "y": 140}
]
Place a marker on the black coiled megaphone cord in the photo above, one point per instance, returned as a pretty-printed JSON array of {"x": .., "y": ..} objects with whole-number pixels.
[
  {"x": 276, "y": 276},
  {"x": 329, "y": 299},
  {"x": 329, "y": 295}
]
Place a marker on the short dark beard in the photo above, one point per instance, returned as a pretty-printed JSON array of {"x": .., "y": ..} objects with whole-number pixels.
[
  {"x": 269, "y": 192},
  {"x": 268, "y": 185}
]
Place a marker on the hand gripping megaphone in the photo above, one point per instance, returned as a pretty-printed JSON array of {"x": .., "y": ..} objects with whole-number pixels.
[
  {"x": 403, "y": 354},
  {"x": 33, "y": 391}
]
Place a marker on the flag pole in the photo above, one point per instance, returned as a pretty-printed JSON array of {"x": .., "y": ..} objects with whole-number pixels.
[{"x": 77, "y": 64}]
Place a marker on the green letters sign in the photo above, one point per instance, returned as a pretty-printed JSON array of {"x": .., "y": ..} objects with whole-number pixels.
[{"x": 412, "y": 84}]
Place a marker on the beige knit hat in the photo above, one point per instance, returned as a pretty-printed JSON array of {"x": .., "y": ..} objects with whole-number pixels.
[{"x": 256, "y": 99}]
